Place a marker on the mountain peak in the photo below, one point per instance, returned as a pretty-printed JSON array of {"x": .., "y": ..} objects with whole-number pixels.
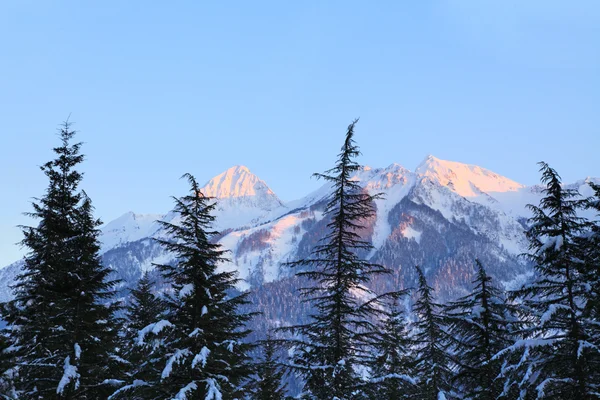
[
  {"x": 465, "y": 179},
  {"x": 236, "y": 181}
]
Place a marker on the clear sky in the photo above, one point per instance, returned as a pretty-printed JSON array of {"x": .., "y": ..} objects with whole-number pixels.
[{"x": 161, "y": 88}]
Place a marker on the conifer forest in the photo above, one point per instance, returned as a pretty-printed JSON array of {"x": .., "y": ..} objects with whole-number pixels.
[{"x": 189, "y": 329}]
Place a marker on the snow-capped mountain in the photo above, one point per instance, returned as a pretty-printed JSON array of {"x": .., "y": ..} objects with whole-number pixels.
[
  {"x": 465, "y": 180},
  {"x": 242, "y": 198},
  {"x": 129, "y": 227},
  {"x": 441, "y": 216}
]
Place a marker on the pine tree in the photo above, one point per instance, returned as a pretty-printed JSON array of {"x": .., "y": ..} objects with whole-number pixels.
[
  {"x": 392, "y": 363},
  {"x": 59, "y": 321},
  {"x": 480, "y": 325},
  {"x": 269, "y": 384},
  {"x": 432, "y": 359},
  {"x": 206, "y": 356},
  {"x": 591, "y": 243},
  {"x": 7, "y": 368},
  {"x": 332, "y": 343},
  {"x": 556, "y": 358},
  {"x": 142, "y": 343}
]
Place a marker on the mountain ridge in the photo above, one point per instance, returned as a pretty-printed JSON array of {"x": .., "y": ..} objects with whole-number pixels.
[{"x": 441, "y": 216}]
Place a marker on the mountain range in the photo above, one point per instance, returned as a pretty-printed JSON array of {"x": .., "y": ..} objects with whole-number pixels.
[{"x": 440, "y": 216}]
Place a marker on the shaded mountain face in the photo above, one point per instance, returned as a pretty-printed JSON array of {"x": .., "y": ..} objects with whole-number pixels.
[{"x": 441, "y": 216}]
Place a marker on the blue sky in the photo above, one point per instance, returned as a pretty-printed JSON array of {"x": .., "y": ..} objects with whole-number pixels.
[{"x": 161, "y": 88}]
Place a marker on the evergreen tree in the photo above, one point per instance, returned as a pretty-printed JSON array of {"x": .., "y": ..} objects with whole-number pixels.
[
  {"x": 557, "y": 358},
  {"x": 205, "y": 353},
  {"x": 392, "y": 363},
  {"x": 480, "y": 325},
  {"x": 142, "y": 343},
  {"x": 591, "y": 243},
  {"x": 432, "y": 360},
  {"x": 332, "y": 343},
  {"x": 59, "y": 321},
  {"x": 7, "y": 368},
  {"x": 269, "y": 384}
]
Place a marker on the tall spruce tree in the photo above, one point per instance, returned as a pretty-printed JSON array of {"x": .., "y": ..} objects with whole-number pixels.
[
  {"x": 142, "y": 343},
  {"x": 269, "y": 383},
  {"x": 206, "y": 356},
  {"x": 480, "y": 325},
  {"x": 432, "y": 359},
  {"x": 557, "y": 358},
  {"x": 59, "y": 321},
  {"x": 392, "y": 363},
  {"x": 591, "y": 243},
  {"x": 7, "y": 368},
  {"x": 329, "y": 347}
]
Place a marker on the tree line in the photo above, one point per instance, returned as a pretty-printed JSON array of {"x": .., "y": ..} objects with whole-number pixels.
[{"x": 68, "y": 336}]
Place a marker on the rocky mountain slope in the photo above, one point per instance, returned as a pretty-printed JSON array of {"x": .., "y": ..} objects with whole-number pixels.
[{"x": 441, "y": 216}]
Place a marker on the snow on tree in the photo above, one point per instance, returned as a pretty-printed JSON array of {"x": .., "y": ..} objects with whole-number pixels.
[
  {"x": 328, "y": 348},
  {"x": 432, "y": 359},
  {"x": 7, "y": 368},
  {"x": 205, "y": 354},
  {"x": 61, "y": 327},
  {"x": 480, "y": 325},
  {"x": 142, "y": 344},
  {"x": 591, "y": 243},
  {"x": 556, "y": 357},
  {"x": 268, "y": 383},
  {"x": 392, "y": 362}
]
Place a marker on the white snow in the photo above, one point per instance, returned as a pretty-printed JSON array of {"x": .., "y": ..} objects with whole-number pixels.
[
  {"x": 126, "y": 388},
  {"x": 201, "y": 357},
  {"x": 410, "y": 233},
  {"x": 246, "y": 204},
  {"x": 213, "y": 390},
  {"x": 242, "y": 198},
  {"x": 237, "y": 181},
  {"x": 284, "y": 234},
  {"x": 154, "y": 328},
  {"x": 69, "y": 374},
  {"x": 174, "y": 359},
  {"x": 129, "y": 227},
  {"x": 187, "y": 389},
  {"x": 77, "y": 349},
  {"x": 395, "y": 182},
  {"x": 186, "y": 290},
  {"x": 195, "y": 332},
  {"x": 465, "y": 179},
  {"x": 552, "y": 309}
]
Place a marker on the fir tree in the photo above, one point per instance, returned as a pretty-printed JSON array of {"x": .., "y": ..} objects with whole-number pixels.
[
  {"x": 142, "y": 343},
  {"x": 432, "y": 360},
  {"x": 60, "y": 322},
  {"x": 7, "y": 368},
  {"x": 591, "y": 243},
  {"x": 205, "y": 353},
  {"x": 392, "y": 364},
  {"x": 557, "y": 358},
  {"x": 269, "y": 384},
  {"x": 480, "y": 325},
  {"x": 332, "y": 343}
]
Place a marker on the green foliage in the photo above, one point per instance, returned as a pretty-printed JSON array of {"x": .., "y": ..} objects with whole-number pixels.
[
  {"x": 327, "y": 348},
  {"x": 556, "y": 358},
  {"x": 141, "y": 348},
  {"x": 60, "y": 324},
  {"x": 480, "y": 325},
  {"x": 268, "y": 383},
  {"x": 432, "y": 360},
  {"x": 392, "y": 363},
  {"x": 204, "y": 353}
]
